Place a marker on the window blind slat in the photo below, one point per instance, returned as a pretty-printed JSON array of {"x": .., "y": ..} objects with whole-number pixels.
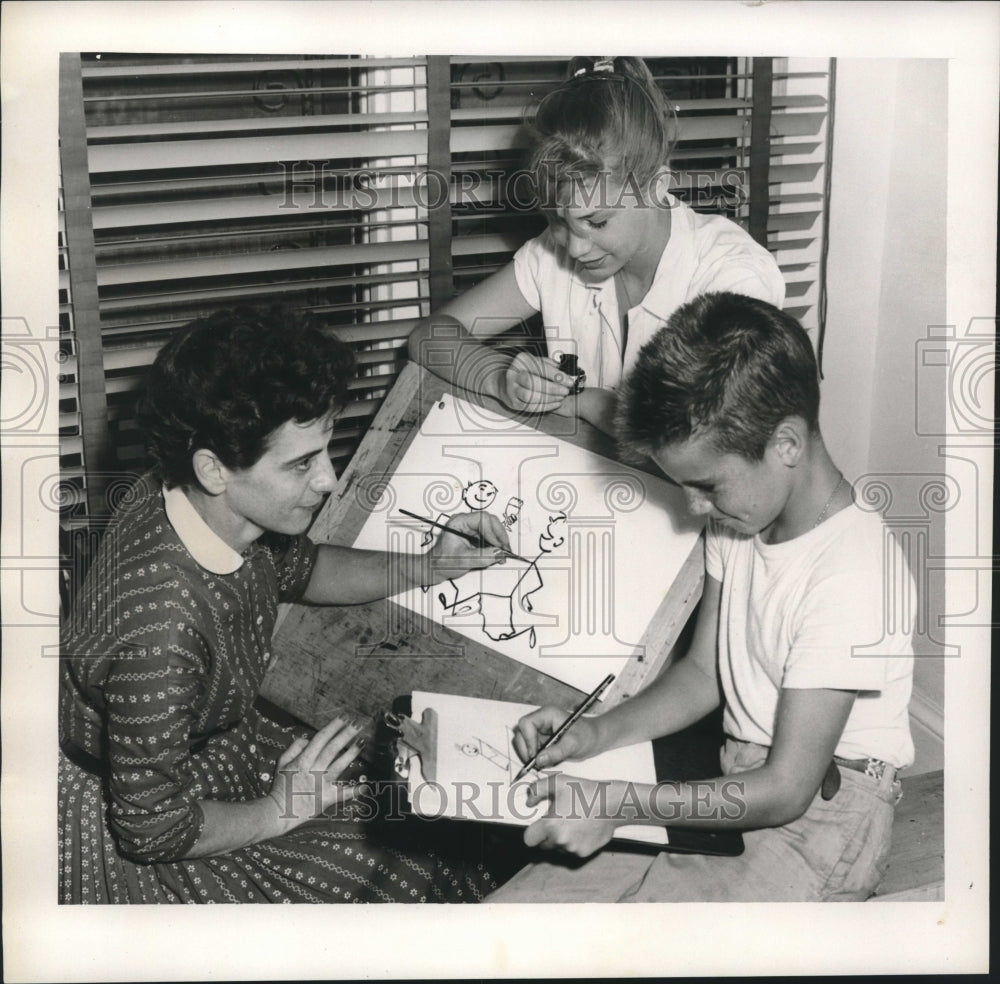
[
  {"x": 478, "y": 138},
  {"x": 211, "y": 296},
  {"x": 266, "y": 181},
  {"x": 203, "y": 97},
  {"x": 791, "y": 221},
  {"x": 681, "y": 106},
  {"x": 784, "y": 246},
  {"x": 271, "y": 262},
  {"x": 137, "y": 131},
  {"x": 379, "y": 356},
  {"x": 380, "y": 331},
  {"x": 796, "y": 288},
  {"x": 476, "y": 245},
  {"x": 228, "y": 152},
  {"x": 300, "y": 195},
  {"x": 136, "y": 359},
  {"x": 792, "y": 173},
  {"x": 359, "y": 408},
  {"x": 108, "y": 71}
]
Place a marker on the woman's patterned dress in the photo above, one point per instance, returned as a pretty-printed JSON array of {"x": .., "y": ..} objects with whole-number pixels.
[{"x": 162, "y": 658}]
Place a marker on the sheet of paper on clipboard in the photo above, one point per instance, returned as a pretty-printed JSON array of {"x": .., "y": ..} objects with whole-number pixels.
[{"x": 462, "y": 763}]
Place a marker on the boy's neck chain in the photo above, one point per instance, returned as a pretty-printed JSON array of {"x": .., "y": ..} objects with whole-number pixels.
[{"x": 826, "y": 508}]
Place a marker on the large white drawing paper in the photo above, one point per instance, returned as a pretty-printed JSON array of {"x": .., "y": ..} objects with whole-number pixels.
[
  {"x": 601, "y": 542},
  {"x": 476, "y": 765}
]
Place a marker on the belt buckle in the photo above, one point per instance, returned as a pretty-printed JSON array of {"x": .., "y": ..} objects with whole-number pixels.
[{"x": 875, "y": 768}]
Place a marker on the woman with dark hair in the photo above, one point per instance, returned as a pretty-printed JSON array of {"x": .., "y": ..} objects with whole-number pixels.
[
  {"x": 620, "y": 254},
  {"x": 173, "y": 785}
]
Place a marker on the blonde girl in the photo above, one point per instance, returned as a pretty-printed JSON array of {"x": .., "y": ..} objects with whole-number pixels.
[{"x": 619, "y": 256}]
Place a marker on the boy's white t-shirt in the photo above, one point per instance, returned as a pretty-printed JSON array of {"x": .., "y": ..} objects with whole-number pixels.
[
  {"x": 704, "y": 253},
  {"x": 825, "y": 610}
]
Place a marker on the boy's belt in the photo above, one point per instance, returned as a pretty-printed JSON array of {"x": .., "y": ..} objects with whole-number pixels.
[{"x": 875, "y": 768}]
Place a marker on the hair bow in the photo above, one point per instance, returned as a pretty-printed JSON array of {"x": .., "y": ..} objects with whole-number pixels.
[{"x": 606, "y": 63}]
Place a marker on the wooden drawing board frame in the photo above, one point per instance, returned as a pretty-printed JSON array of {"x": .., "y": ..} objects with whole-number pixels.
[{"x": 357, "y": 659}]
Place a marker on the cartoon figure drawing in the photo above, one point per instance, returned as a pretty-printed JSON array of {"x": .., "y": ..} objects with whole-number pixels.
[
  {"x": 479, "y": 495},
  {"x": 476, "y": 495},
  {"x": 510, "y": 614},
  {"x": 478, "y": 747}
]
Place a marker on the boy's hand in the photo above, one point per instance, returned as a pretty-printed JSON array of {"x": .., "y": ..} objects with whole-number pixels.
[
  {"x": 452, "y": 556},
  {"x": 534, "y": 729},
  {"x": 581, "y": 817},
  {"x": 533, "y": 383}
]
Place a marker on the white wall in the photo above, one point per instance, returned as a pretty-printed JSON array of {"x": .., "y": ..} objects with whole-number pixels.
[{"x": 886, "y": 285}]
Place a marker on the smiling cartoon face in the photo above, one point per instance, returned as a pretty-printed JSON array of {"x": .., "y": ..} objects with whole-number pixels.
[{"x": 479, "y": 495}]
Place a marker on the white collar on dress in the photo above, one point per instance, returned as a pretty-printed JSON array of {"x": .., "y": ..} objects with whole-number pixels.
[
  {"x": 201, "y": 541},
  {"x": 659, "y": 300}
]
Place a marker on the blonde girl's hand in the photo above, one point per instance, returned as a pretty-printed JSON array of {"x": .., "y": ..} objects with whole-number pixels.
[
  {"x": 534, "y": 383},
  {"x": 594, "y": 405},
  {"x": 306, "y": 780}
]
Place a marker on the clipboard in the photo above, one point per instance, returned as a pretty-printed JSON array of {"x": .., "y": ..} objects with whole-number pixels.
[{"x": 418, "y": 765}]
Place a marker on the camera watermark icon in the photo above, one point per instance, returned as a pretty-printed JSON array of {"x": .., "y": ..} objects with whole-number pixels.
[
  {"x": 963, "y": 367},
  {"x": 30, "y": 564},
  {"x": 89, "y": 549},
  {"x": 913, "y": 562},
  {"x": 955, "y": 378},
  {"x": 30, "y": 366},
  {"x": 28, "y": 560}
]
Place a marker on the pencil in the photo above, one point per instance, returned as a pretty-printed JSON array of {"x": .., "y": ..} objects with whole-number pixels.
[
  {"x": 470, "y": 537},
  {"x": 588, "y": 703}
]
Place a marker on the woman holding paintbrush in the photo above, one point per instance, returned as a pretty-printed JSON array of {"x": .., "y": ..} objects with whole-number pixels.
[{"x": 174, "y": 786}]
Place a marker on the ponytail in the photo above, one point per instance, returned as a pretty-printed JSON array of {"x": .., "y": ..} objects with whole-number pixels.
[{"x": 608, "y": 118}]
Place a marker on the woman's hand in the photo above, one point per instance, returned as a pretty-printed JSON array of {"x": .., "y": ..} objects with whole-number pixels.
[
  {"x": 305, "y": 784},
  {"x": 452, "y": 556},
  {"x": 534, "y": 729},
  {"x": 533, "y": 383},
  {"x": 582, "y": 815}
]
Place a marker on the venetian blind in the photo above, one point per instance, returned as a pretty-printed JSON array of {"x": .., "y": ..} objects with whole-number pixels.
[
  {"x": 363, "y": 189},
  {"x": 719, "y": 118}
]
